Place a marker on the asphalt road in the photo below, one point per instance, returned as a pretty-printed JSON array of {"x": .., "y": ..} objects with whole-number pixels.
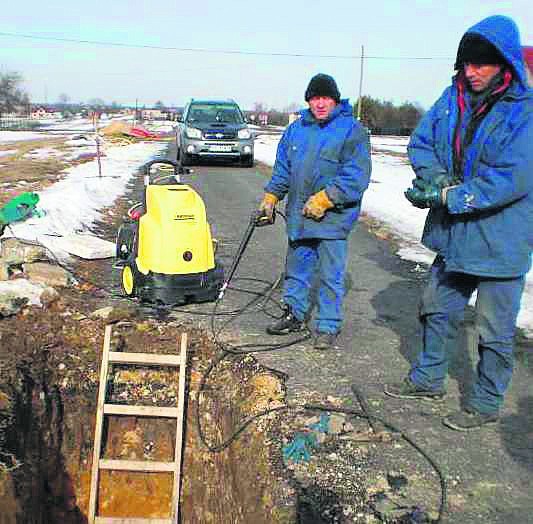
[{"x": 490, "y": 472}]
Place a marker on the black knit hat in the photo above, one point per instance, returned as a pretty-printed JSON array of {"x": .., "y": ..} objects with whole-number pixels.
[
  {"x": 322, "y": 85},
  {"x": 474, "y": 49}
]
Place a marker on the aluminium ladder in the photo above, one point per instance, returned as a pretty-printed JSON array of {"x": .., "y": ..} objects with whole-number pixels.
[{"x": 103, "y": 408}]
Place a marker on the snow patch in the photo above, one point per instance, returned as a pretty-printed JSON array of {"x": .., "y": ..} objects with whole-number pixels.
[{"x": 75, "y": 202}]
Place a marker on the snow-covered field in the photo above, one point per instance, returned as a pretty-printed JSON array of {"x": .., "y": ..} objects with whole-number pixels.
[
  {"x": 384, "y": 200},
  {"x": 73, "y": 203},
  {"x": 15, "y": 136}
]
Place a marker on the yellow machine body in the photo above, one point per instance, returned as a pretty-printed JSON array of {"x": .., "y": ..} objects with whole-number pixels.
[{"x": 174, "y": 237}]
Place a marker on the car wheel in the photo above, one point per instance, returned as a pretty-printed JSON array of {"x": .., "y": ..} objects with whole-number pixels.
[
  {"x": 186, "y": 159},
  {"x": 247, "y": 161}
]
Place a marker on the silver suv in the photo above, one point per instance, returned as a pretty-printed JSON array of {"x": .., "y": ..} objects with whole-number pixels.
[{"x": 214, "y": 129}]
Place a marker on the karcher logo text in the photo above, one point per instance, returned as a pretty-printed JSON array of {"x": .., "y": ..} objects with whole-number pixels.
[{"x": 184, "y": 217}]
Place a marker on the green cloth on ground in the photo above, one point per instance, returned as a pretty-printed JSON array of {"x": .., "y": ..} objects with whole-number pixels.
[{"x": 19, "y": 208}]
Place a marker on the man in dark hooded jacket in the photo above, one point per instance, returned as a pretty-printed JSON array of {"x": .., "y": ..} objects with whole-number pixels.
[
  {"x": 323, "y": 166},
  {"x": 473, "y": 158}
]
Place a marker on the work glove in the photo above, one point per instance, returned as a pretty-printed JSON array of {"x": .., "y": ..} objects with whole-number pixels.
[
  {"x": 317, "y": 205},
  {"x": 267, "y": 209},
  {"x": 430, "y": 197},
  {"x": 437, "y": 180}
]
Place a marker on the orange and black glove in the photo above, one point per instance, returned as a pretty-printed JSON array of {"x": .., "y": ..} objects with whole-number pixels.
[
  {"x": 267, "y": 208},
  {"x": 317, "y": 205}
]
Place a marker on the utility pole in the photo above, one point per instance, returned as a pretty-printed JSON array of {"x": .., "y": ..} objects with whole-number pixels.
[
  {"x": 135, "y": 115},
  {"x": 359, "y": 102}
]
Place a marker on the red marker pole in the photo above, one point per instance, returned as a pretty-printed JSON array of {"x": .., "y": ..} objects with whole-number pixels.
[{"x": 97, "y": 139}]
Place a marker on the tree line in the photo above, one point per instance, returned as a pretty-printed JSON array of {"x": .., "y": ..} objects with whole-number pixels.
[
  {"x": 12, "y": 96},
  {"x": 383, "y": 117},
  {"x": 380, "y": 116}
]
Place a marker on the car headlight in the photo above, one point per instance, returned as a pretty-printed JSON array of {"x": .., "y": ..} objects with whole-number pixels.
[
  {"x": 244, "y": 134},
  {"x": 192, "y": 132}
]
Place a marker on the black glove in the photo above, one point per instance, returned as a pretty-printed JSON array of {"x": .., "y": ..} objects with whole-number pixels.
[
  {"x": 430, "y": 197},
  {"x": 438, "y": 180}
]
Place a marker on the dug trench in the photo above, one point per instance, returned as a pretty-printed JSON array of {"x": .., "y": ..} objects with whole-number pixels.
[
  {"x": 50, "y": 380},
  {"x": 49, "y": 363}
]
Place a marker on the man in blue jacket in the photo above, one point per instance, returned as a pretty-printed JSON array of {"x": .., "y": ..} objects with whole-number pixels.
[
  {"x": 473, "y": 158},
  {"x": 323, "y": 166}
]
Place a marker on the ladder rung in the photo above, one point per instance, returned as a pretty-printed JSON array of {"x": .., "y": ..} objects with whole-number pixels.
[
  {"x": 151, "y": 359},
  {"x": 141, "y": 411},
  {"x": 127, "y": 520},
  {"x": 137, "y": 465}
]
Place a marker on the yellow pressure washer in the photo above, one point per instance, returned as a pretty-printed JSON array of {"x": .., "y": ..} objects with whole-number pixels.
[{"x": 165, "y": 250}]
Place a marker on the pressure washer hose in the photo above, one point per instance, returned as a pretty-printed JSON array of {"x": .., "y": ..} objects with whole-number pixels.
[{"x": 226, "y": 351}]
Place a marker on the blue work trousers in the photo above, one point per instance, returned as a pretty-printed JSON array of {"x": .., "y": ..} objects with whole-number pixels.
[
  {"x": 322, "y": 261},
  {"x": 442, "y": 310}
]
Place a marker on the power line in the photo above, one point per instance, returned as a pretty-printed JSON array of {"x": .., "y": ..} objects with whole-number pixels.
[{"x": 219, "y": 51}]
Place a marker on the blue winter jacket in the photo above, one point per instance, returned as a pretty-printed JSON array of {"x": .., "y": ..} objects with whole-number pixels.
[
  {"x": 486, "y": 227},
  {"x": 312, "y": 155}
]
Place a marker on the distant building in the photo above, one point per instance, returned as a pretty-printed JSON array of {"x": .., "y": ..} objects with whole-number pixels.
[
  {"x": 38, "y": 112},
  {"x": 263, "y": 119},
  {"x": 153, "y": 114}
]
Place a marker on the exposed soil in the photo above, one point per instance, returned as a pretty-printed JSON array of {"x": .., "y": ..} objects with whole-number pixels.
[{"x": 50, "y": 380}]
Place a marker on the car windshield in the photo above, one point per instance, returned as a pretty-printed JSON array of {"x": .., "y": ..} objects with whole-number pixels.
[{"x": 209, "y": 113}]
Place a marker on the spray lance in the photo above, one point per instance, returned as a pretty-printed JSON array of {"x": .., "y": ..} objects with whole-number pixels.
[{"x": 257, "y": 219}]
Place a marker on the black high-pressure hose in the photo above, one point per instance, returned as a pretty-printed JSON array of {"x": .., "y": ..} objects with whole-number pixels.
[{"x": 225, "y": 351}]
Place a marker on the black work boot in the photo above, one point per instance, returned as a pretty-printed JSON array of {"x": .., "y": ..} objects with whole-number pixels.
[
  {"x": 469, "y": 419},
  {"x": 408, "y": 390},
  {"x": 288, "y": 323}
]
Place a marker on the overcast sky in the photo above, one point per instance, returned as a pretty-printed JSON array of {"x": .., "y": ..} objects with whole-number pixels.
[{"x": 394, "y": 29}]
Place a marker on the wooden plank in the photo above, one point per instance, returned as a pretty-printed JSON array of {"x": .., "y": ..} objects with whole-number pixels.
[
  {"x": 137, "y": 465},
  {"x": 179, "y": 432},
  {"x": 150, "y": 359},
  {"x": 97, "y": 443},
  {"x": 131, "y": 520},
  {"x": 140, "y": 411}
]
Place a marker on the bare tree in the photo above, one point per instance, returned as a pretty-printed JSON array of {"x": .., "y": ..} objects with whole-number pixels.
[
  {"x": 259, "y": 107},
  {"x": 293, "y": 107},
  {"x": 63, "y": 99},
  {"x": 96, "y": 104},
  {"x": 12, "y": 96},
  {"x": 63, "y": 104}
]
